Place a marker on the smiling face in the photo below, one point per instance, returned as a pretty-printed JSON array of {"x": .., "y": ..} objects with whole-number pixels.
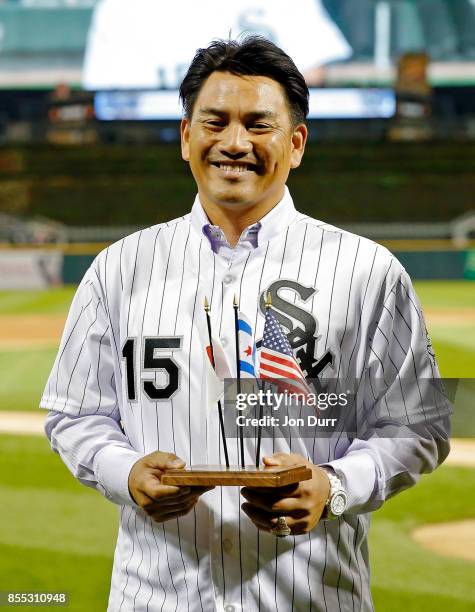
[{"x": 241, "y": 143}]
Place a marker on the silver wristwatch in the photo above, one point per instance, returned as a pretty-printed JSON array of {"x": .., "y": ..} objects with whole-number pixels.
[{"x": 337, "y": 499}]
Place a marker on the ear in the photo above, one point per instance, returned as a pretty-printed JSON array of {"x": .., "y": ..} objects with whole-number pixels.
[
  {"x": 299, "y": 138},
  {"x": 185, "y": 139}
]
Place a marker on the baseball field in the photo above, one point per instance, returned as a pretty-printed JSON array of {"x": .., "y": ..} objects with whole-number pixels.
[{"x": 56, "y": 535}]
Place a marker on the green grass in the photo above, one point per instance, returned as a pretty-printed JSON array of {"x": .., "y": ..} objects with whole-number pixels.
[
  {"x": 404, "y": 575},
  {"x": 25, "y": 370},
  {"x": 454, "y": 345},
  {"x": 51, "y": 301},
  {"x": 454, "y": 361},
  {"x": 24, "y": 374},
  {"x": 56, "y": 535},
  {"x": 446, "y": 294}
]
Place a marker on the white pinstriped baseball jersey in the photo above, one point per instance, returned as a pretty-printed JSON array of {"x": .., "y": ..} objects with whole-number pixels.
[{"x": 139, "y": 310}]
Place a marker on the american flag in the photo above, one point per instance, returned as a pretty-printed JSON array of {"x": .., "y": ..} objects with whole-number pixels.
[{"x": 277, "y": 359}]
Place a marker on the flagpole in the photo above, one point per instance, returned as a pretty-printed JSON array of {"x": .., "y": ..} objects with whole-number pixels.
[
  {"x": 220, "y": 410},
  {"x": 258, "y": 447},
  {"x": 238, "y": 369},
  {"x": 259, "y": 431}
]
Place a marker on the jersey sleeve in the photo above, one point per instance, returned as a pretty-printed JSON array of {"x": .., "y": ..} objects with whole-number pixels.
[
  {"x": 82, "y": 380},
  {"x": 83, "y": 423},
  {"x": 406, "y": 414}
]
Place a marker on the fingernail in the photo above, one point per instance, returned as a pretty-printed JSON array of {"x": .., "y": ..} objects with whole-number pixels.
[{"x": 177, "y": 462}]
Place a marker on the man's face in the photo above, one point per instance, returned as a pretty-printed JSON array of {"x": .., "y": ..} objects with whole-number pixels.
[{"x": 240, "y": 142}]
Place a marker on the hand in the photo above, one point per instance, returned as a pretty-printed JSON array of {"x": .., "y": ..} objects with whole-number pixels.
[
  {"x": 301, "y": 504},
  {"x": 161, "y": 502}
]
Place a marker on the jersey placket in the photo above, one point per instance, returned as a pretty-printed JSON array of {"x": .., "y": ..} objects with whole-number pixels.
[{"x": 228, "y": 552}]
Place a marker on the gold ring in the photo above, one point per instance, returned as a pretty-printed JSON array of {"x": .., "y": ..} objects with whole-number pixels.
[{"x": 281, "y": 529}]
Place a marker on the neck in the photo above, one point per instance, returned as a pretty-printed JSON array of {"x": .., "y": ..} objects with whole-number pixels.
[{"x": 234, "y": 221}]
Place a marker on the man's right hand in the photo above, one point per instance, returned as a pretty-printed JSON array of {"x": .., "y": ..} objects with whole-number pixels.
[{"x": 161, "y": 502}]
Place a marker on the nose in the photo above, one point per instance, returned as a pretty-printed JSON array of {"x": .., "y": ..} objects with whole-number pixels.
[{"x": 235, "y": 141}]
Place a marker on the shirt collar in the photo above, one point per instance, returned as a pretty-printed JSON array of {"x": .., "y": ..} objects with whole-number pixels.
[{"x": 275, "y": 222}]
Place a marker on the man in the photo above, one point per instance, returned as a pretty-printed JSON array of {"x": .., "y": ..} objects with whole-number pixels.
[{"x": 130, "y": 374}]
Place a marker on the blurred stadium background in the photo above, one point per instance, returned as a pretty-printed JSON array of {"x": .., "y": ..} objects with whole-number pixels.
[{"x": 85, "y": 160}]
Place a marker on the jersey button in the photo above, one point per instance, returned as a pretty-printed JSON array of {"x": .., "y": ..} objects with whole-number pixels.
[
  {"x": 228, "y": 279},
  {"x": 229, "y": 608},
  {"x": 224, "y": 342},
  {"x": 227, "y": 545}
]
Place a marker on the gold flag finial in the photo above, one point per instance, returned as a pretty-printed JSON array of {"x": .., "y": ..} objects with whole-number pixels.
[
  {"x": 268, "y": 300},
  {"x": 206, "y": 304},
  {"x": 235, "y": 301}
]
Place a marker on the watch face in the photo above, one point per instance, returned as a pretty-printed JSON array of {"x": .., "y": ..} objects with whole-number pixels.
[{"x": 338, "y": 504}]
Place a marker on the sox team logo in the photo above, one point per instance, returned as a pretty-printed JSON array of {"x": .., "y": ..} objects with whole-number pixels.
[{"x": 301, "y": 326}]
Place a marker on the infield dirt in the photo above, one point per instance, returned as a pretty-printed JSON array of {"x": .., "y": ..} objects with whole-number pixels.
[
  {"x": 30, "y": 330},
  {"x": 455, "y": 539}
]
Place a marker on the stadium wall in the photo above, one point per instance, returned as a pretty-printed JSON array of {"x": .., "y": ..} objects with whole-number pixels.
[
  {"x": 31, "y": 267},
  {"x": 421, "y": 265}
]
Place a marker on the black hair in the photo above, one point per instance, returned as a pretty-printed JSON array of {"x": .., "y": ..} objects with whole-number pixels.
[{"x": 251, "y": 56}]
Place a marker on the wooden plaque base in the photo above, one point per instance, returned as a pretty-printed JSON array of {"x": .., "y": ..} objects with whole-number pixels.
[{"x": 249, "y": 476}]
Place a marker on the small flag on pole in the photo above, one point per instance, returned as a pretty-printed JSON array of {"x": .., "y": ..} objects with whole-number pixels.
[
  {"x": 212, "y": 362},
  {"x": 213, "y": 387},
  {"x": 247, "y": 348},
  {"x": 218, "y": 360},
  {"x": 277, "y": 359}
]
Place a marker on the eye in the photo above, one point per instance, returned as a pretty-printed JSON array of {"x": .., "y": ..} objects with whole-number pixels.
[
  {"x": 215, "y": 123},
  {"x": 258, "y": 125}
]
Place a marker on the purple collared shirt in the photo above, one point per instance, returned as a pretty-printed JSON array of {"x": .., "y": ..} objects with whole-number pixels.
[
  {"x": 255, "y": 236},
  {"x": 218, "y": 240}
]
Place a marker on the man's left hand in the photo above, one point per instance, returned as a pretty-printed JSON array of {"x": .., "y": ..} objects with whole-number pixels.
[{"x": 301, "y": 504}]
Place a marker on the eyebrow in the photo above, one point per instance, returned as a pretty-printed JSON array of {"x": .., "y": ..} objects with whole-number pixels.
[{"x": 264, "y": 114}]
